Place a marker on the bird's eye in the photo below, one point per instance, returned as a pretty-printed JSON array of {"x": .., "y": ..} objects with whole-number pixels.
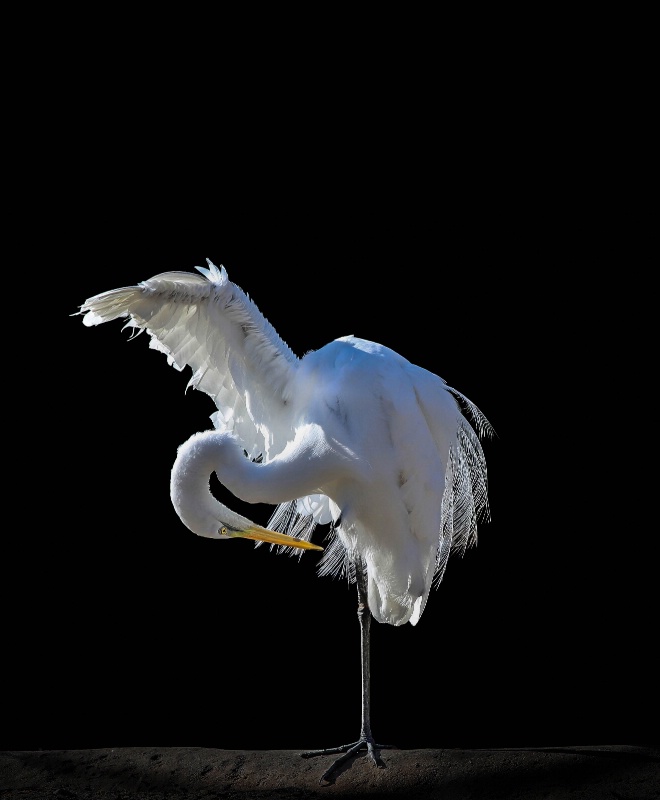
[{"x": 223, "y": 531}]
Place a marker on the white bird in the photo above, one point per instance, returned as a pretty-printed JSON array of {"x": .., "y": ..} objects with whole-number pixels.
[{"x": 352, "y": 435}]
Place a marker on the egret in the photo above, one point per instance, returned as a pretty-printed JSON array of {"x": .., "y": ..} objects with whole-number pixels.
[{"x": 351, "y": 436}]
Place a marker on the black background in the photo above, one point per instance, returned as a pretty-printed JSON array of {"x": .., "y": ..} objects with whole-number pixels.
[{"x": 456, "y": 245}]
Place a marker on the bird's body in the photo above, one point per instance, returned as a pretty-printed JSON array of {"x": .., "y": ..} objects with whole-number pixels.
[{"x": 352, "y": 435}]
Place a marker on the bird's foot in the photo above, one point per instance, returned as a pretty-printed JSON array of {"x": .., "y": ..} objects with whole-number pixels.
[{"x": 348, "y": 750}]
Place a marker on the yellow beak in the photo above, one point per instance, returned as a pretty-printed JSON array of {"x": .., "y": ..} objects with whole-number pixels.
[{"x": 260, "y": 534}]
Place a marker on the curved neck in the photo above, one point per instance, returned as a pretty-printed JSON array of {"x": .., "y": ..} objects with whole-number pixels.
[
  {"x": 190, "y": 492},
  {"x": 304, "y": 467}
]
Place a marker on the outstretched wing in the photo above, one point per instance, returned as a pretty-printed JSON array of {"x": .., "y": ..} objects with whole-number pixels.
[{"x": 210, "y": 325}]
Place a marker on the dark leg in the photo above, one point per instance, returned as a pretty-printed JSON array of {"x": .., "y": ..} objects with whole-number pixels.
[{"x": 366, "y": 739}]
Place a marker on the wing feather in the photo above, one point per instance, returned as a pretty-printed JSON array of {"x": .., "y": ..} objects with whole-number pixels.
[{"x": 209, "y": 324}]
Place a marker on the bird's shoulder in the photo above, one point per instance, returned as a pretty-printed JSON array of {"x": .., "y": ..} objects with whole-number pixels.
[{"x": 352, "y": 351}]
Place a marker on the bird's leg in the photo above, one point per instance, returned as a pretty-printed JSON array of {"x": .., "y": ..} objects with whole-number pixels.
[{"x": 366, "y": 739}]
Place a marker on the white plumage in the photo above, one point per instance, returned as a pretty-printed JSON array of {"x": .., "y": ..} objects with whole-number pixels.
[{"x": 352, "y": 434}]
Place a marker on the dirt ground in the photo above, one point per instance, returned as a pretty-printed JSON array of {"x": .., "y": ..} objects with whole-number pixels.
[{"x": 138, "y": 773}]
